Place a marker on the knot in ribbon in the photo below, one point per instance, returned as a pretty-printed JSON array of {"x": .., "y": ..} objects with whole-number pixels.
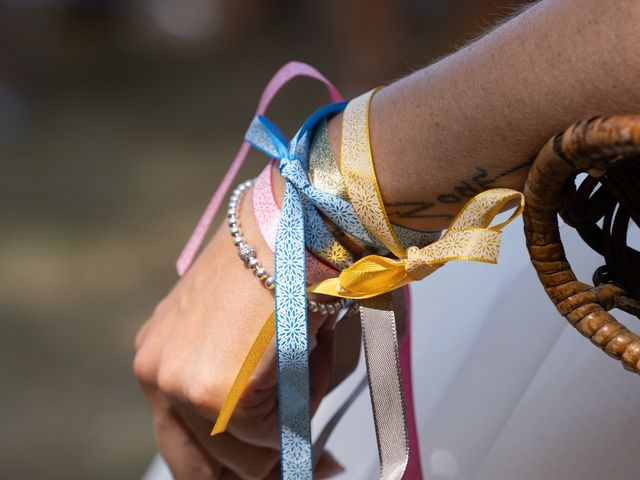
[
  {"x": 469, "y": 237},
  {"x": 266, "y": 137}
]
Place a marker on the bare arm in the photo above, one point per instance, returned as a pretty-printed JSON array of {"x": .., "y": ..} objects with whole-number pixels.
[{"x": 476, "y": 118}]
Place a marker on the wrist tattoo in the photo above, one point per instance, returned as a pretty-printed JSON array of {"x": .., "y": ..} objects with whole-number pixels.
[{"x": 463, "y": 190}]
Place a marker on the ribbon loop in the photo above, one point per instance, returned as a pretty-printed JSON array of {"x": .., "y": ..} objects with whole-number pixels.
[
  {"x": 265, "y": 136},
  {"x": 283, "y": 76},
  {"x": 468, "y": 238}
]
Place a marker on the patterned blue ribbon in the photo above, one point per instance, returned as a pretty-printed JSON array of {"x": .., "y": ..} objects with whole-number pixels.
[
  {"x": 265, "y": 136},
  {"x": 301, "y": 205}
]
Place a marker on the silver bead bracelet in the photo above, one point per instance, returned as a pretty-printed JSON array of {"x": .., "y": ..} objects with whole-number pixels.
[{"x": 248, "y": 254}]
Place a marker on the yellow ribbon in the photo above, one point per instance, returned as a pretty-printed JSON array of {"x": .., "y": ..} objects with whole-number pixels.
[
  {"x": 468, "y": 238},
  {"x": 254, "y": 356}
]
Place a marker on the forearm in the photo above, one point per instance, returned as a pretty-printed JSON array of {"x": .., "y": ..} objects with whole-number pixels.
[{"x": 476, "y": 118}]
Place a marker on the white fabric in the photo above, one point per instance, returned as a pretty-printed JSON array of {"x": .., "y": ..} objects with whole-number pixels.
[{"x": 505, "y": 389}]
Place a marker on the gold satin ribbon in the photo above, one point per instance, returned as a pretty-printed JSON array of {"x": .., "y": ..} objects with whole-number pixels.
[
  {"x": 254, "y": 356},
  {"x": 468, "y": 238}
]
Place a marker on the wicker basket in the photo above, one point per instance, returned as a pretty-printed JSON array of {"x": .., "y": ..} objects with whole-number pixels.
[{"x": 596, "y": 146}]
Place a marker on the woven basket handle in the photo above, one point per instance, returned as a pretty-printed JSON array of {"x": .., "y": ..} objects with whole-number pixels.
[{"x": 590, "y": 146}]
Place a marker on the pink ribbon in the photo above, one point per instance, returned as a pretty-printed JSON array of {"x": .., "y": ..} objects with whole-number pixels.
[
  {"x": 287, "y": 73},
  {"x": 414, "y": 465}
]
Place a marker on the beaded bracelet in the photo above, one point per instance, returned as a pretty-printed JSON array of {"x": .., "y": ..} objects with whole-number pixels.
[{"x": 248, "y": 254}]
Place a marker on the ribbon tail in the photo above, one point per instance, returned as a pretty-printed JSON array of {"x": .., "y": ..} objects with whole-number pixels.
[
  {"x": 330, "y": 286},
  {"x": 414, "y": 467},
  {"x": 385, "y": 387},
  {"x": 266, "y": 137},
  {"x": 294, "y": 386},
  {"x": 251, "y": 361}
]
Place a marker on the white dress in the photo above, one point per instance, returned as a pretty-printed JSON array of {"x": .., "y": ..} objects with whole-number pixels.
[{"x": 505, "y": 388}]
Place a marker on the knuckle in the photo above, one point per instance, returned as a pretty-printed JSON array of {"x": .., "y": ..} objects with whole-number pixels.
[
  {"x": 204, "y": 397},
  {"x": 144, "y": 369},
  {"x": 160, "y": 311},
  {"x": 168, "y": 381},
  {"x": 160, "y": 308}
]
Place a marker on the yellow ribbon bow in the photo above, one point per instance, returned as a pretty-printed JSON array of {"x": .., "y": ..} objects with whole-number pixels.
[{"x": 468, "y": 238}]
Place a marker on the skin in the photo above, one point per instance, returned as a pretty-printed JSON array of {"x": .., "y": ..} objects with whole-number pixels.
[
  {"x": 477, "y": 118},
  {"x": 490, "y": 107},
  {"x": 187, "y": 357}
]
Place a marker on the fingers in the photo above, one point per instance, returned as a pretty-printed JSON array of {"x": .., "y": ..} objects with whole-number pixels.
[
  {"x": 249, "y": 462},
  {"x": 184, "y": 456},
  {"x": 255, "y": 420},
  {"x": 263, "y": 431},
  {"x": 184, "y": 441},
  {"x": 184, "y": 402},
  {"x": 141, "y": 334}
]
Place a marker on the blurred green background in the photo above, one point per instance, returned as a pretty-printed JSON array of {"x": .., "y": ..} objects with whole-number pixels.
[{"x": 117, "y": 119}]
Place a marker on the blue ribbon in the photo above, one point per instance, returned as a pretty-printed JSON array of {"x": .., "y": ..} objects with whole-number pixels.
[
  {"x": 301, "y": 205},
  {"x": 265, "y": 136}
]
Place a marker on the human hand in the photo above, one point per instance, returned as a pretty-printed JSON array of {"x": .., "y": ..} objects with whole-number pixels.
[{"x": 190, "y": 350}]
